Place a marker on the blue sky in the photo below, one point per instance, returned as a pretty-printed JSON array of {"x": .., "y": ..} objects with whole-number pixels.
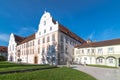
[{"x": 94, "y": 19}]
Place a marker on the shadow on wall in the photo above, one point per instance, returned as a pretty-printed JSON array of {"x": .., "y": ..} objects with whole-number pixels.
[{"x": 50, "y": 56}]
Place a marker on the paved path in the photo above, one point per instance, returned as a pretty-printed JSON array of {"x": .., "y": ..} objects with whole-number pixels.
[{"x": 100, "y": 73}]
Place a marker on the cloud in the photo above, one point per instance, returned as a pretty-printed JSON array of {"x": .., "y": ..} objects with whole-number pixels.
[
  {"x": 4, "y": 37},
  {"x": 91, "y": 36},
  {"x": 26, "y": 31}
]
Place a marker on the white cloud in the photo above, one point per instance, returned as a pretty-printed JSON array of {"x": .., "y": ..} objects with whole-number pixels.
[
  {"x": 4, "y": 37},
  {"x": 91, "y": 35},
  {"x": 26, "y": 31}
]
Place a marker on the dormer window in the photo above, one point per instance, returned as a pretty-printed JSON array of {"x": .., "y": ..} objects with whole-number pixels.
[{"x": 44, "y": 22}]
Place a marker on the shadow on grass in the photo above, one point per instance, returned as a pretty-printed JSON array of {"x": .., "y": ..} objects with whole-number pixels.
[{"x": 26, "y": 70}]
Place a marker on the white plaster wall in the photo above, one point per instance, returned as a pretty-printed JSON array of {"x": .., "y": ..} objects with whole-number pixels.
[{"x": 12, "y": 52}]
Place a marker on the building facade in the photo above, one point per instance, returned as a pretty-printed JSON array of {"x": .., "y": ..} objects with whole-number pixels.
[
  {"x": 51, "y": 44},
  {"x": 3, "y": 53},
  {"x": 98, "y": 53}
]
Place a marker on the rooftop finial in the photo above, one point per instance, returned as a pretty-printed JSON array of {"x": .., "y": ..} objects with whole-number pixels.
[{"x": 45, "y": 11}]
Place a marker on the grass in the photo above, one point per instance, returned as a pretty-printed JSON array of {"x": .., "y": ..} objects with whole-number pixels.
[
  {"x": 51, "y": 74},
  {"x": 62, "y": 73},
  {"x": 7, "y": 66},
  {"x": 103, "y": 66}
]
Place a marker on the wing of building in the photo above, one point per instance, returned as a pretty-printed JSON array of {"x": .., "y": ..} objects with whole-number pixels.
[
  {"x": 3, "y": 53},
  {"x": 99, "y": 53},
  {"x": 51, "y": 44}
]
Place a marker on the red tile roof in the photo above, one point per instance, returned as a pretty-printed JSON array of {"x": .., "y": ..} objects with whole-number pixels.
[
  {"x": 18, "y": 39},
  {"x": 99, "y": 44},
  {"x": 29, "y": 38},
  {"x": 71, "y": 34},
  {"x": 3, "y": 49}
]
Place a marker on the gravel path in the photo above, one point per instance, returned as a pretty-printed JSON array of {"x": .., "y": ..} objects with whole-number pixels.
[{"x": 100, "y": 73}]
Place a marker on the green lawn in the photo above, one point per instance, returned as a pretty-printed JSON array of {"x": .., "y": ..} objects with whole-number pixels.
[
  {"x": 62, "y": 73},
  {"x": 7, "y": 66},
  {"x": 51, "y": 74}
]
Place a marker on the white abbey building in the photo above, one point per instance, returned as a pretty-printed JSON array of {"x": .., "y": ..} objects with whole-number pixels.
[
  {"x": 51, "y": 44},
  {"x": 100, "y": 53}
]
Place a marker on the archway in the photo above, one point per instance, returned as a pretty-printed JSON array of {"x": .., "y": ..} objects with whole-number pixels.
[
  {"x": 35, "y": 59},
  {"x": 100, "y": 60},
  {"x": 111, "y": 61}
]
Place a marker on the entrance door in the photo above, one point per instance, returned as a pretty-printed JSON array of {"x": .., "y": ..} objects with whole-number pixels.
[
  {"x": 35, "y": 59},
  {"x": 11, "y": 58}
]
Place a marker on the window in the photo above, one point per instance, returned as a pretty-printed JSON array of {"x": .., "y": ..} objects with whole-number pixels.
[
  {"x": 43, "y": 50},
  {"x": 43, "y": 40},
  {"x": 44, "y": 31},
  {"x": 100, "y": 60},
  {"x": 39, "y": 41},
  {"x": 24, "y": 45},
  {"x": 66, "y": 39},
  {"x": 53, "y": 37},
  {"x": 100, "y": 50},
  {"x": 88, "y": 50},
  {"x": 12, "y": 47},
  {"x": 48, "y": 39},
  {"x": 83, "y": 51},
  {"x": 33, "y": 43},
  {"x": 44, "y": 22},
  {"x": 93, "y": 50},
  {"x": 61, "y": 38},
  {"x": 39, "y": 33},
  {"x": 110, "y": 60},
  {"x": 110, "y": 50},
  {"x": 62, "y": 47},
  {"x": 50, "y": 28},
  {"x": 85, "y": 58},
  {"x": 38, "y": 50}
]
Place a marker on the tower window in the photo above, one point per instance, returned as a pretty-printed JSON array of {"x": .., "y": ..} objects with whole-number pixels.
[
  {"x": 44, "y": 22},
  {"x": 44, "y": 31},
  {"x": 50, "y": 28}
]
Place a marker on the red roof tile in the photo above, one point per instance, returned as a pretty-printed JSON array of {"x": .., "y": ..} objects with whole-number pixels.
[
  {"x": 29, "y": 38},
  {"x": 71, "y": 34},
  {"x": 3, "y": 49},
  {"x": 18, "y": 39},
  {"x": 99, "y": 44}
]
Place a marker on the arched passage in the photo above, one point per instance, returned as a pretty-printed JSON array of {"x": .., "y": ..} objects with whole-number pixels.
[
  {"x": 100, "y": 60},
  {"x": 111, "y": 61}
]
